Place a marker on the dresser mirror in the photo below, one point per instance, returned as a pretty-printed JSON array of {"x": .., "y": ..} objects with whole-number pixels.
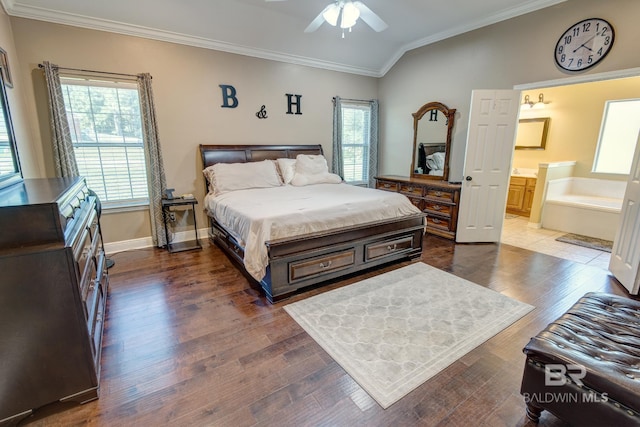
[
  {"x": 9, "y": 163},
  {"x": 432, "y": 125}
]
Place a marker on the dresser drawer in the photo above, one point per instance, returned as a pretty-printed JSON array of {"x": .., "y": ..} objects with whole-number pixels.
[
  {"x": 437, "y": 222},
  {"x": 321, "y": 265},
  {"x": 96, "y": 303},
  {"x": 417, "y": 202},
  {"x": 414, "y": 190},
  {"x": 94, "y": 291},
  {"x": 439, "y": 208},
  {"x": 84, "y": 259},
  {"x": 388, "y": 247},
  {"x": 74, "y": 211},
  {"x": 438, "y": 193},
  {"x": 98, "y": 327},
  {"x": 518, "y": 180},
  {"x": 386, "y": 185}
]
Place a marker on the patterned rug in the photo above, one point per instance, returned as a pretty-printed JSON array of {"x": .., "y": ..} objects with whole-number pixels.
[
  {"x": 394, "y": 331},
  {"x": 586, "y": 241}
]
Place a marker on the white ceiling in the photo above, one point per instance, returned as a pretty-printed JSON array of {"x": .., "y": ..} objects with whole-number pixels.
[{"x": 275, "y": 30}]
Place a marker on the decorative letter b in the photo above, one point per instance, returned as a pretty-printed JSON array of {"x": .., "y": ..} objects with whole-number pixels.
[{"x": 228, "y": 93}]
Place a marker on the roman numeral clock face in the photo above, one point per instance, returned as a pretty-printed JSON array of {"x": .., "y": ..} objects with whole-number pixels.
[{"x": 584, "y": 44}]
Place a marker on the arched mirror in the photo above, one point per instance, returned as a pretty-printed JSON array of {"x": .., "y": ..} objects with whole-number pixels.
[
  {"x": 432, "y": 125},
  {"x": 9, "y": 163}
]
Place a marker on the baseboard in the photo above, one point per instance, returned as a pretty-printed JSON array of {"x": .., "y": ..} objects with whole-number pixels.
[
  {"x": 147, "y": 242},
  {"x": 534, "y": 224}
]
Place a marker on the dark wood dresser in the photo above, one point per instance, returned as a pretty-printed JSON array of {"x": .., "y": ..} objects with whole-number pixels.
[
  {"x": 438, "y": 199},
  {"x": 53, "y": 291}
]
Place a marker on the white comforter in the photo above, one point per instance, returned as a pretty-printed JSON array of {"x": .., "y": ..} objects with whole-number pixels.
[{"x": 257, "y": 215}]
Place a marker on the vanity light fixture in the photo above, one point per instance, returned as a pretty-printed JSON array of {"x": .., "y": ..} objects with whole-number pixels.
[
  {"x": 540, "y": 104},
  {"x": 529, "y": 104}
]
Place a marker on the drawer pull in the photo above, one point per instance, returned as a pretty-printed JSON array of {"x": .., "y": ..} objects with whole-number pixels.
[
  {"x": 438, "y": 193},
  {"x": 325, "y": 264},
  {"x": 392, "y": 248},
  {"x": 436, "y": 221},
  {"x": 410, "y": 189},
  {"x": 436, "y": 207},
  {"x": 386, "y": 185}
]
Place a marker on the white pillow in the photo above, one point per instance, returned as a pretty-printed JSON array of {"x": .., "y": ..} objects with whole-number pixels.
[
  {"x": 287, "y": 169},
  {"x": 225, "y": 177},
  {"x": 313, "y": 169}
]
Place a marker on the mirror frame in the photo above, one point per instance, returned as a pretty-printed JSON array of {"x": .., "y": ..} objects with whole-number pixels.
[
  {"x": 544, "y": 121},
  {"x": 15, "y": 176},
  {"x": 449, "y": 113}
]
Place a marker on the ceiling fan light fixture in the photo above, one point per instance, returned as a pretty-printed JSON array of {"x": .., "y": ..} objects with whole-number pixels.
[
  {"x": 331, "y": 14},
  {"x": 350, "y": 14}
]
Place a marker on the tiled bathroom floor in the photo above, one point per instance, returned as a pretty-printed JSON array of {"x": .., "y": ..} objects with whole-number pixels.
[{"x": 516, "y": 233}]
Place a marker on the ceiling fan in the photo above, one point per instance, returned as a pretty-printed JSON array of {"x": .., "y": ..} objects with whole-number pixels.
[{"x": 347, "y": 13}]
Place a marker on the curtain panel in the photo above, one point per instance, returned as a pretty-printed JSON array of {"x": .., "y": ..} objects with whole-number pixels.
[
  {"x": 153, "y": 154},
  {"x": 373, "y": 144},
  {"x": 63, "y": 154},
  {"x": 337, "y": 164}
]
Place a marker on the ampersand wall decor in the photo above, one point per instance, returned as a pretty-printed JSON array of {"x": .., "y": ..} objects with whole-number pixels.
[{"x": 262, "y": 114}]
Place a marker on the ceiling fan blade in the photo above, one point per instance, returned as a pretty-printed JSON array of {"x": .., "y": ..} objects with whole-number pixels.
[
  {"x": 369, "y": 16},
  {"x": 319, "y": 20}
]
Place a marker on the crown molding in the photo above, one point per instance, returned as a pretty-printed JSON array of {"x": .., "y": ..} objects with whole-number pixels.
[{"x": 48, "y": 15}]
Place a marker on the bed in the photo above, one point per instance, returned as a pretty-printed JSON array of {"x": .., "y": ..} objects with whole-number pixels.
[
  {"x": 431, "y": 158},
  {"x": 306, "y": 258}
]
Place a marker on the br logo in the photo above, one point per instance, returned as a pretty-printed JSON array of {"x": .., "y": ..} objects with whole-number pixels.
[{"x": 556, "y": 374}]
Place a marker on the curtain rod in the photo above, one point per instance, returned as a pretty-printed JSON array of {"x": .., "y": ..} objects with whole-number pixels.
[
  {"x": 350, "y": 99},
  {"x": 92, "y": 71}
]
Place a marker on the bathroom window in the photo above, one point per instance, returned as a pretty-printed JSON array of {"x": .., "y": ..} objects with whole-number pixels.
[{"x": 618, "y": 136}]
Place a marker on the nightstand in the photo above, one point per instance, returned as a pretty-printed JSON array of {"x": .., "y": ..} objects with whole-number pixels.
[{"x": 167, "y": 208}]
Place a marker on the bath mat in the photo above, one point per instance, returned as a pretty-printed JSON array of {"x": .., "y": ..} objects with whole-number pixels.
[
  {"x": 394, "y": 331},
  {"x": 586, "y": 241}
]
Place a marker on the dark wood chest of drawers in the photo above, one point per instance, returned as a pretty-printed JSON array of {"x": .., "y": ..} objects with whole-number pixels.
[
  {"x": 53, "y": 292},
  {"x": 438, "y": 199}
]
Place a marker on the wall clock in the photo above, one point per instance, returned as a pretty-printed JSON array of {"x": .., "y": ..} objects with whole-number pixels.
[{"x": 584, "y": 44}]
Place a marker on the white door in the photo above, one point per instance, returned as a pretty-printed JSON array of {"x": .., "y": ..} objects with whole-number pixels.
[
  {"x": 492, "y": 129},
  {"x": 625, "y": 255}
]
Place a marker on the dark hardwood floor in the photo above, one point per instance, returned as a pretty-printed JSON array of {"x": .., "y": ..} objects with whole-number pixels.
[{"x": 188, "y": 342}]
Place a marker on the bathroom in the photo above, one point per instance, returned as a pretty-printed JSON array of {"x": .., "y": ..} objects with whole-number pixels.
[{"x": 557, "y": 141}]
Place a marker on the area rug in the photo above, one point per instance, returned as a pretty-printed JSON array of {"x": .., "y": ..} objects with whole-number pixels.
[
  {"x": 394, "y": 331},
  {"x": 586, "y": 241}
]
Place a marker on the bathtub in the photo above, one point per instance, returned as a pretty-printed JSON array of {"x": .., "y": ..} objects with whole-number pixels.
[{"x": 586, "y": 206}]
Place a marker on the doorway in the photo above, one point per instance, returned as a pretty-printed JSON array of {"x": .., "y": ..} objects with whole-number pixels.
[{"x": 574, "y": 107}]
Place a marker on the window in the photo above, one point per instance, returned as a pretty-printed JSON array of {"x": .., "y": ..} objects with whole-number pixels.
[
  {"x": 356, "y": 123},
  {"x": 106, "y": 130},
  {"x": 618, "y": 136}
]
